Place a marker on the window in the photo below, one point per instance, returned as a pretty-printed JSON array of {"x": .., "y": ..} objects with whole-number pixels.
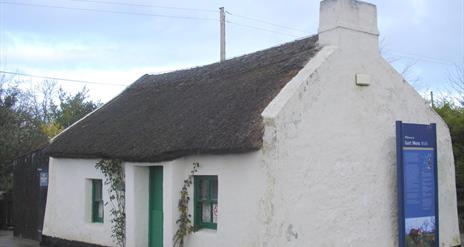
[
  {"x": 206, "y": 203},
  {"x": 97, "y": 201}
]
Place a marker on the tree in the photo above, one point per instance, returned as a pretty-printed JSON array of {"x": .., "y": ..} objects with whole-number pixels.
[
  {"x": 457, "y": 82},
  {"x": 404, "y": 65},
  {"x": 454, "y": 117},
  {"x": 452, "y": 112},
  {"x": 74, "y": 107},
  {"x": 19, "y": 131},
  {"x": 69, "y": 109},
  {"x": 42, "y": 101},
  {"x": 29, "y": 118}
]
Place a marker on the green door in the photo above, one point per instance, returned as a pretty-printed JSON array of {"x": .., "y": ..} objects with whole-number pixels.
[{"x": 155, "y": 233}]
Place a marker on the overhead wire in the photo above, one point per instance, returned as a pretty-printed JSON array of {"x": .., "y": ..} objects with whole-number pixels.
[
  {"x": 119, "y": 12},
  {"x": 156, "y": 15},
  {"x": 1, "y": 36},
  {"x": 265, "y": 22},
  {"x": 403, "y": 54},
  {"x": 3, "y": 45},
  {"x": 462, "y": 32},
  {"x": 262, "y": 29},
  {"x": 60, "y": 79},
  {"x": 424, "y": 58},
  {"x": 109, "y": 11},
  {"x": 144, "y": 5},
  {"x": 189, "y": 9}
]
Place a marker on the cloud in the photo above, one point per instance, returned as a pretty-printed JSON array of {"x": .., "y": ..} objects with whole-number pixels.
[
  {"x": 419, "y": 10},
  {"x": 102, "y": 62},
  {"x": 104, "y": 88},
  {"x": 42, "y": 52}
]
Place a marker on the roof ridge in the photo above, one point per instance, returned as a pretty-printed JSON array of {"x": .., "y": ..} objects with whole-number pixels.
[{"x": 228, "y": 60}]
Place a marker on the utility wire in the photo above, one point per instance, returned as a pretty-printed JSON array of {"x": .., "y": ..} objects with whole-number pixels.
[
  {"x": 60, "y": 79},
  {"x": 145, "y": 5},
  {"x": 110, "y": 11},
  {"x": 2, "y": 42},
  {"x": 266, "y": 22},
  {"x": 462, "y": 31},
  {"x": 424, "y": 58},
  {"x": 3, "y": 39},
  {"x": 144, "y": 14},
  {"x": 407, "y": 55},
  {"x": 262, "y": 29}
]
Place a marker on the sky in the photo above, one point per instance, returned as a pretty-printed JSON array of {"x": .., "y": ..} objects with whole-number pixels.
[{"x": 111, "y": 43}]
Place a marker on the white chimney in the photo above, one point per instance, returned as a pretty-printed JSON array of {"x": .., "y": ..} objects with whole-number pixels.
[{"x": 348, "y": 23}]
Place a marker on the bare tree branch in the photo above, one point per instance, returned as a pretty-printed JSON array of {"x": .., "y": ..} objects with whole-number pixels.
[
  {"x": 456, "y": 79},
  {"x": 407, "y": 67}
]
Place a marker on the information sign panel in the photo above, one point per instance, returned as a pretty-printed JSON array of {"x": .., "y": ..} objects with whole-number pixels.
[{"x": 417, "y": 185}]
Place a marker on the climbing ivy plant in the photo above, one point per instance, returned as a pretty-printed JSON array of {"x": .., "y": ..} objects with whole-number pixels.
[
  {"x": 184, "y": 223},
  {"x": 113, "y": 171}
]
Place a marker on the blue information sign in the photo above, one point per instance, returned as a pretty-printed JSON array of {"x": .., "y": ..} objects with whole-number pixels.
[
  {"x": 417, "y": 185},
  {"x": 43, "y": 179}
]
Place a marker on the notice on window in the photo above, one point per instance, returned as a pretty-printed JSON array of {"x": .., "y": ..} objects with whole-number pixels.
[{"x": 417, "y": 185}]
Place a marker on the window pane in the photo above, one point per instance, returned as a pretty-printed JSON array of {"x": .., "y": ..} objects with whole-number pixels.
[
  {"x": 215, "y": 212},
  {"x": 98, "y": 190},
  {"x": 100, "y": 210},
  {"x": 206, "y": 212},
  {"x": 97, "y": 201},
  {"x": 214, "y": 189},
  {"x": 206, "y": 202},
  {"x": 204, "y": 190}
]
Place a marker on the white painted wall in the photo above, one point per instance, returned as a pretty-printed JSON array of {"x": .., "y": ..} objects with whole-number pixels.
[
  {"x": 240, "y": 184},
  {"x": 137, "y": 189},
  {"x": 331, "y": 150},
  {"x": 332, "y": 158},
  {"x": 68, "y": 210}
]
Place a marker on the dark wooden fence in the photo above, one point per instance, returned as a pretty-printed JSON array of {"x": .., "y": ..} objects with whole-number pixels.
[
  {"x": 30, "y": 183},
  {"x": 6, "y": 210},
  {"x": 460, "y": 194}
]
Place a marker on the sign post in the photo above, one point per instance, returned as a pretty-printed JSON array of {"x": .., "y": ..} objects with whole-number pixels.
[{"x": 418, "y": 220}]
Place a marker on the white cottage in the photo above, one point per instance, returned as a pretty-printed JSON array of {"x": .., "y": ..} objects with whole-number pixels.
[{"x": 296, "y": 144}]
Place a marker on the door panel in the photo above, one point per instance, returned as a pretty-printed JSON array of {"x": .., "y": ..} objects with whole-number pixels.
[{"x": 156, "y": 207}]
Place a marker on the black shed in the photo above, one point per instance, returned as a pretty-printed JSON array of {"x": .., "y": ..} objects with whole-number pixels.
[{"x": 30, "y": 184}]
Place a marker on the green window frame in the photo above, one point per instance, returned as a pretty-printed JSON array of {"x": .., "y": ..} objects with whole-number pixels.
[
  {"x": 206, "y": 202},
  {"x": 97, "y": 201}
]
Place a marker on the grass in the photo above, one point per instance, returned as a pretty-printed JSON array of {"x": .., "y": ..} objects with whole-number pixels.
[{"x": 426, "y": 240}]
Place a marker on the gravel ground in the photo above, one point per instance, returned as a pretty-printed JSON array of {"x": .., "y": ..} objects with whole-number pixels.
[{"x": 7, "y": 240}]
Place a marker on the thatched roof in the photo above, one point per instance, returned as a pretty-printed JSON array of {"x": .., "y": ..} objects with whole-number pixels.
[{"x": 205, "y": 110}]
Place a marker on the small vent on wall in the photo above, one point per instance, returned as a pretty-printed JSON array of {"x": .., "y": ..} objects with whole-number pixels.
[{"x": 363, "y": 80}]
